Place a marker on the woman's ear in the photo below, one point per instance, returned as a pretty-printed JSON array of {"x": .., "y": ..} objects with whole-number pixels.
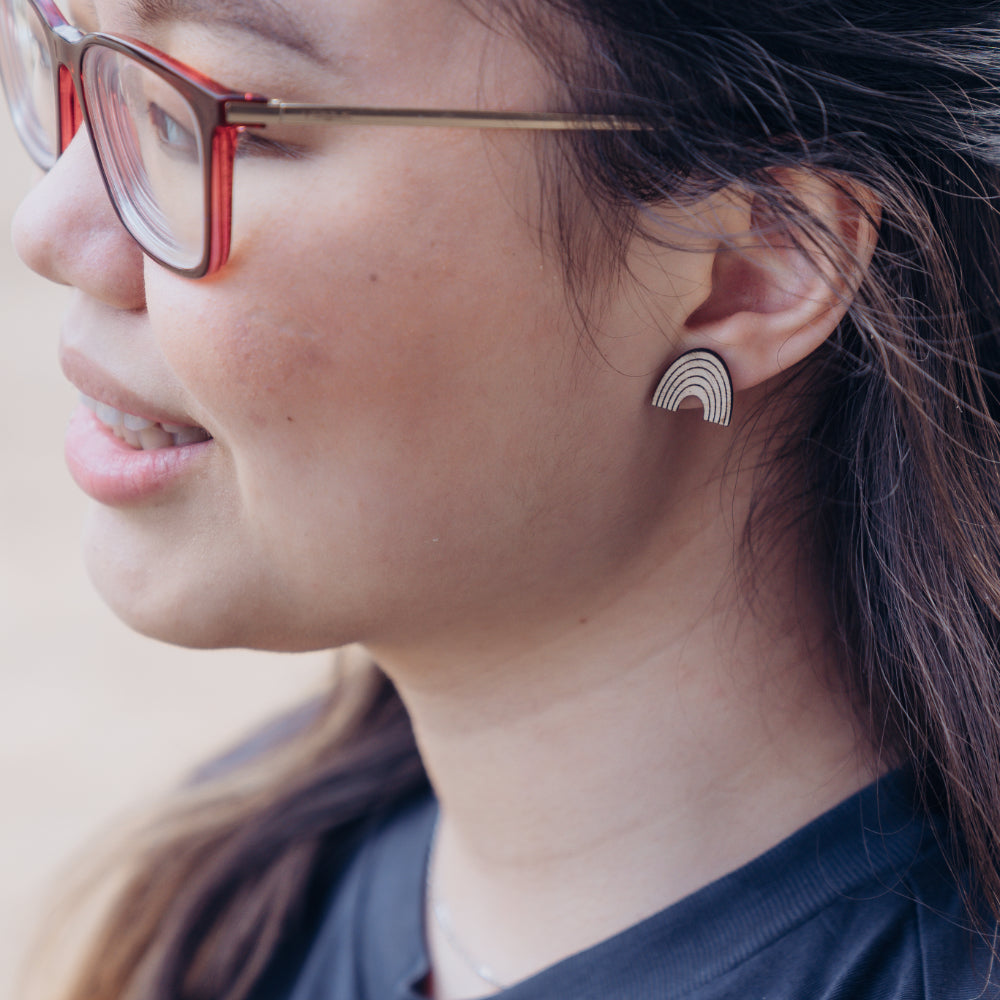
[{"x": 777, "y": 291}]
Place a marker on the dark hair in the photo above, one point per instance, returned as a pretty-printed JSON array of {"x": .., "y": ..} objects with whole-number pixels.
[{"x": 894, "y": 459}]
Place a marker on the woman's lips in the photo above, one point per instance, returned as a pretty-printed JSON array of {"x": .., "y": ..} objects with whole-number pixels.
[
  {"x": 113, "y": 472},
  {"x": 121, "y": 447}
]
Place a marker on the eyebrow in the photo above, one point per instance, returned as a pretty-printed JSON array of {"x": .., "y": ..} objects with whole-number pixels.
[{"x": 269, "y": 19}]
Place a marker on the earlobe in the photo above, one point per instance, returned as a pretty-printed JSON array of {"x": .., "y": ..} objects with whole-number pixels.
[{"x": 778, "y": 290}]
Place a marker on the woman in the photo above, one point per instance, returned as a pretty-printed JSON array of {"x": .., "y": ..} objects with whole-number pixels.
[{"x": 708, "y": 708}]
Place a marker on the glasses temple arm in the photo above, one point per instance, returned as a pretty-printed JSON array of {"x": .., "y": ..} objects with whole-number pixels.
[{"x": 259, "y": 113}]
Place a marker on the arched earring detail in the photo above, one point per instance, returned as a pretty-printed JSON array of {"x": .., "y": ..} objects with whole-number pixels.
[{"x": 704, "y": 375}]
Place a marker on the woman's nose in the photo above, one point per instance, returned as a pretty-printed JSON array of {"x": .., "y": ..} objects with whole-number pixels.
[{"x": 67, "y": 231}]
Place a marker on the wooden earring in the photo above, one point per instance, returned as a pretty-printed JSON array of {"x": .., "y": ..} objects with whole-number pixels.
[{"x": 704, "y": 375}]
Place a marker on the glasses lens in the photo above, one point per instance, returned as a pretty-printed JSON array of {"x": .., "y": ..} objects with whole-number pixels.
[
  {"x": 29, "y": 80},
  {"x": 150, "y": 147}
]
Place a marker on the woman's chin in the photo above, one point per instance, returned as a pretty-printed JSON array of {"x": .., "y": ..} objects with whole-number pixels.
[
  {"x": 149, "y": 584},
  {"x": 158, "y": 615},
  {"x": 176, "y": 594}
]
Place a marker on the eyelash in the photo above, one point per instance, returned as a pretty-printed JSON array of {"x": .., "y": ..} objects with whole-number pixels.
[{"x": 253, "y": 144}]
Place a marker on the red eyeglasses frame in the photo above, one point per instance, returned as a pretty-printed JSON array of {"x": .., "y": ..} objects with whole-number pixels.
[{"x": 222, "y": 114}]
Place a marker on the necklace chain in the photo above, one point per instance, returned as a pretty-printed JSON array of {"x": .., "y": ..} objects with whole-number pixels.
[{"x": 442, "y": 917}]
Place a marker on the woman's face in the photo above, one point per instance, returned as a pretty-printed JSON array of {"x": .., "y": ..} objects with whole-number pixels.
[{"x": 408, "y": 431}]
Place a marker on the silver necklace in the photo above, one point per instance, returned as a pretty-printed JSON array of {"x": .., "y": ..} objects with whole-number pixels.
[{"x": 442, "y": 917}]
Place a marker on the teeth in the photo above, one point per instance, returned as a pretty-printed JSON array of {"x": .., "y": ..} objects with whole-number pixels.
[
  {"x": 133, "y": 423},
  {"x": 155, "y": 437},
  {"x": 140, "y": 433},
  {"x": 108, "y": 415}
]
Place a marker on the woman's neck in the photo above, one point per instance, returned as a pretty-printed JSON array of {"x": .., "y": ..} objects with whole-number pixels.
[{"x": 630, "y": 757}]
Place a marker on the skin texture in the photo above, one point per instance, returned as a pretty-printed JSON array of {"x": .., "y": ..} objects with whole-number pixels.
[{"x": 416, "y": 448}]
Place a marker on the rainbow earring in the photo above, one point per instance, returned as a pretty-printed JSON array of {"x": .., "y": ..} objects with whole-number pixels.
[{"x": 704, "y": 375}]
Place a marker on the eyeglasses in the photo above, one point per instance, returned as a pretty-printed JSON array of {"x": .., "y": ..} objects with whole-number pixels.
[{"x": 165, "y": 136}]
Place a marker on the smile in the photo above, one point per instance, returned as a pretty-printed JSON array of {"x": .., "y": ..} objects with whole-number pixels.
[{"x": 143, "y": 434}]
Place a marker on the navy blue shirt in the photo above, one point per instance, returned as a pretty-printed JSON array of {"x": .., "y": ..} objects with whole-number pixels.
[{"x": 858, "y": 904}]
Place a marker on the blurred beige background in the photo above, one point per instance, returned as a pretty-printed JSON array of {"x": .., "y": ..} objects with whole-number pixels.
[{"x": 93, "y": 719}]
